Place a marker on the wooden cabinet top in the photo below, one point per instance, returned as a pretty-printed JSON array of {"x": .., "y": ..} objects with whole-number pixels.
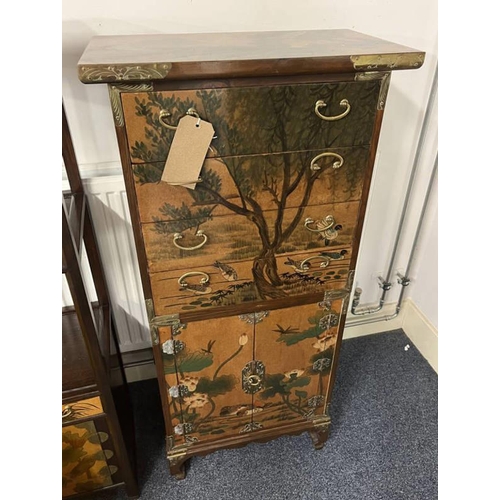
[{"x": 129, "y": 58}]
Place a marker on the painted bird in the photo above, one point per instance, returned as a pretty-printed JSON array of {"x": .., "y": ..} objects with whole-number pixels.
[
  {"x": 297, "y": 265},
  {"x": 286, "y": 331},
  {"x": 227, "y": 271},
  {"x": 196, "y": 289},
  {"x": 234, "y": 410},
  {"x": 330, "y": 233},
  {"x": 335, "y": 255},
  {"x": 210, "y": 344}
]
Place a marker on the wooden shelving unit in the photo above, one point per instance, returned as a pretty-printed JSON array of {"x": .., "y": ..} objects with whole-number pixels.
[{"x": 97, "y": 424}]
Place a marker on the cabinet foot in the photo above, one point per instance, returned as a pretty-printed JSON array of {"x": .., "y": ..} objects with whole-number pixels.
[
  {"x": 178, "y": 469},
  {"x": 319, "y": 437}
]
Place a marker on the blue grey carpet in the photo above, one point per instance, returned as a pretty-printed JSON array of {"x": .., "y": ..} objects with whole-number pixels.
[{"x": 382, "y": 446}]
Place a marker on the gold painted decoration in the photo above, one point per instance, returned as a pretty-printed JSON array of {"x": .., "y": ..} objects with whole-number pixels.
[
  {"x": 116, "y": 72},
  {"x": 385, "y": 62},
  {"x": 115, "y": 100},
  {"x": 84, "y": 460},
  {"x": 81, "y": 409}
]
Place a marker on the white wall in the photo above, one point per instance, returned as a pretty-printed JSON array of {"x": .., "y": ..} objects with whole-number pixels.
[{"x": 412, "y": 23}]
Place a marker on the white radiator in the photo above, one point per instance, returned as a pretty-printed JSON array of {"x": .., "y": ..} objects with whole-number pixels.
[{"x": 111, "y": 218}]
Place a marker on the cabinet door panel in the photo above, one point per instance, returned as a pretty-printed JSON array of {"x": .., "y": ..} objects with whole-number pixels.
[
  {"x": 208, "y": 359},
  {"x": 296, "y": 346}
]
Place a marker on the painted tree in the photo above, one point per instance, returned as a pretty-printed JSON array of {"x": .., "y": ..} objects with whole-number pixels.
[{"x": 279, "y": 118}]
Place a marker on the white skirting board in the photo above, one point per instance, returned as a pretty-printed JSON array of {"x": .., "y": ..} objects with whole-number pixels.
[
  {"x": 416, "y": 326},
  {"x": 421, "y": 332}
]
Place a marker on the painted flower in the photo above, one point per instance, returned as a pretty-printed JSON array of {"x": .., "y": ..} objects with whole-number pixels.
[
  {"x": 293, "y": 374},
  {"x": 325, "y": 342},
  {"x": 243, "y": 339},
  {"x": 189, "y": 382},
  {"x": 196, "y": 400}
]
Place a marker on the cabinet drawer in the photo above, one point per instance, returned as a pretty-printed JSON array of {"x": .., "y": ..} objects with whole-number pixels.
[
  {"x": 264, "y": 179},
  {"x": 230, "y": 238},
  {"x": 253, "y": 120},
  {"x": 225, "y": 284},
  {"x": 250, "y": 372}
]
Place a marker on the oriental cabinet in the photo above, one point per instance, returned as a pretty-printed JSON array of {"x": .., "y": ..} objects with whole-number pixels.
[{"x": 247, "y": 276}]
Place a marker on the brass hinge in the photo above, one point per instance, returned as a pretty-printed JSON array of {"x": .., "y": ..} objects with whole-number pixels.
[
  {"x": 114, "y": 96},
  {"x": 172, "y": 346},
  {"x": 178, "y": 391},
  {"x": 387, "y": 62},
  {"x": 177, "y": 454},
  {"x": 331, "y": 295},
  {"x": 321, "y": 421},
  {"x": 385, "y": 78},
  {"x": 156, "y": 322},
  {"x": 345, "y": 306}
]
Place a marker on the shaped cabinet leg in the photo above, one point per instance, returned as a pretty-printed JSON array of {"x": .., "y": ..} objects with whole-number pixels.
[
  {"x": 319, "y": 436},
  {"x": 177, "y": 467}
]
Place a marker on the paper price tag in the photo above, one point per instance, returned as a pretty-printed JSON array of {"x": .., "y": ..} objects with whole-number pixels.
[{"x": 187, "y": 152}]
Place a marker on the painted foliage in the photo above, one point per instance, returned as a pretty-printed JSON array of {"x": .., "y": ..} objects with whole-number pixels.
[
  {"x": 231, "y": 283},
  {"x": 291, "y": 354},
  {"x": 258, "y": 228},
  {"x": 80, "y": 409},
  {"x": 84, "y": 459},
  {"x": 254, "y": 120}
]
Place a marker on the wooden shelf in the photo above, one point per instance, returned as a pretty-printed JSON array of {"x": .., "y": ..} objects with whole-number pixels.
[{"x": 78, "y": 374}]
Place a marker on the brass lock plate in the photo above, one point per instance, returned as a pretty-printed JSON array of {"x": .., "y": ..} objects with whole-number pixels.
[{"x": 252, "y": 377}]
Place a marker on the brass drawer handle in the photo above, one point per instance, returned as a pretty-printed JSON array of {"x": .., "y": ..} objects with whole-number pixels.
[
  {"x": 205, "y": 280},
  {"x": 324, "y": 225},
  {"x": 304, "y": 265},
  {"x": 202, "y": 288},
  {"x": 254, "y": 380},
  {"x": 335, "y": 165},
  {"x": 165, "y": 114},
  {"x": 200, "y": 234},
  {"x": 344, "y": 103},
  {"x": 67, "y": 412}
]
